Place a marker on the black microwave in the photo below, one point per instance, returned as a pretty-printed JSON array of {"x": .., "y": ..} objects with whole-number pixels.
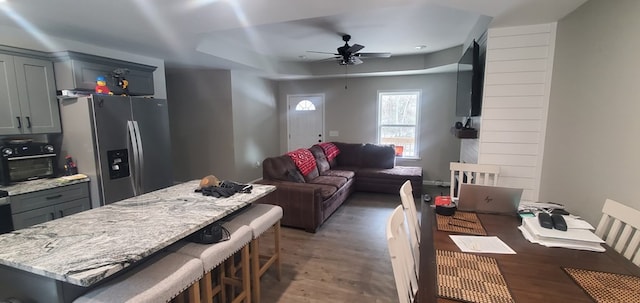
[{"x": 26, "y": 161}]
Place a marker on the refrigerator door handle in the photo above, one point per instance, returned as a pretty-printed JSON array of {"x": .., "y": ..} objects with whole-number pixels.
[
  {"x": 140, "y": 155},
  {"x": 133, "y": 147}
]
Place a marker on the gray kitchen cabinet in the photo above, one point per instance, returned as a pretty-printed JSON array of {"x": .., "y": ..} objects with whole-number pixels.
[
  {"x": 46, "y": 205},
  {"x": 33, "y": 217},
  {"x": 28, "y": 103},
  {"x": 78, "y": 72}
]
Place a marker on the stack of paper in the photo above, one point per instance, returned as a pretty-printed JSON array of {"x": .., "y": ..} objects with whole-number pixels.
[
  {"x": 577, "y": 236},
  {"x": 481, "y": 244}
]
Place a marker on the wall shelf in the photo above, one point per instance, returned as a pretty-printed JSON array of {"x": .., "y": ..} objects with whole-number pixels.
[{"x": 466, "y": 133}]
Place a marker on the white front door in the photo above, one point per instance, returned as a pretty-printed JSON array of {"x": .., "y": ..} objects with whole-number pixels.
[{"x": 305, "y": 120}]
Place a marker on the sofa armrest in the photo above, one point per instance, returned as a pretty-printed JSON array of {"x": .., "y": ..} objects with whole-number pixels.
[{"x": 301, "y": 203}]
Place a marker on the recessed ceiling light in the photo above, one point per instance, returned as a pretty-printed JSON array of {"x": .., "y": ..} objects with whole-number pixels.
[
  {"x": 301, "y": 57},
  {"x": 419, "y": 47}
]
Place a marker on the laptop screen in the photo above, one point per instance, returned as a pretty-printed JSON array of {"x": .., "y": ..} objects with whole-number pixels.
[{"x": 489, "y": 199}]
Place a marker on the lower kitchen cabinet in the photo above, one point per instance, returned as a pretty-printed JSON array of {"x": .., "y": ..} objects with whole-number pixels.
[{"x": 46, "y": 205}]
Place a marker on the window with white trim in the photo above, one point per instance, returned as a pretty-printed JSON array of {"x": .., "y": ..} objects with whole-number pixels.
[{"x": 398, "y": 121}]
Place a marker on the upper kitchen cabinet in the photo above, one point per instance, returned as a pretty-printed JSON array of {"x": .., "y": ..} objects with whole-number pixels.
[
  {"x": 78, "y": 72},
  {"x": 28, "y": 103}
]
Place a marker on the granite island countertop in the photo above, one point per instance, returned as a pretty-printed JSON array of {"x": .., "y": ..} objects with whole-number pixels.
[
  {"x": 39, "y": 184},
  {"x": 87, "y": 247}
]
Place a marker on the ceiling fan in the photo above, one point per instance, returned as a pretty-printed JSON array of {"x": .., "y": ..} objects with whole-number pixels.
[{"x": 350, "y": 54}]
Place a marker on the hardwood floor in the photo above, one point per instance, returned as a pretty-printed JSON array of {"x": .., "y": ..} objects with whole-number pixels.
[{"x": 345, "y": 261}]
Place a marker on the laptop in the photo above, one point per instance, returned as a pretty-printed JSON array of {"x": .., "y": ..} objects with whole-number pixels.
[{"x": 489, "y": 199}]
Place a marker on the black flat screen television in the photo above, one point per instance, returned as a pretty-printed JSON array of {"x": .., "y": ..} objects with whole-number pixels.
[{"x": 469, "y": 87}]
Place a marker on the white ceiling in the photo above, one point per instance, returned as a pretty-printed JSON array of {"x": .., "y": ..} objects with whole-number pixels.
[{"x": 248, "y": 33}]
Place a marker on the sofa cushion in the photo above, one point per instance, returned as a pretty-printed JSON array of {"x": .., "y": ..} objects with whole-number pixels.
[
  {"x": 281, "y": 168},
  {"x": 312, "y": 175},
  {"x": 389, "y": 180},
  {"x": 294, "y": 175},
  {"x": 326, "y": 191},
  {"x": 330, "y": 180},
  {"x": 350, "y": 154},
  {"x": 349, "y": 174},
  {"x": 396, "y": 173},
  {"x": 321, "y": 158},
  {"x": 378, "y": 156}
]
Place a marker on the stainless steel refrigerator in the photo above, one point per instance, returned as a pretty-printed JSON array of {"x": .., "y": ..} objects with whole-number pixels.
[{"x": 122, "y": 143}]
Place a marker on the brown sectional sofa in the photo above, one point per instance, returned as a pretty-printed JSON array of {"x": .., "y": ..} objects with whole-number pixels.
[{"x": 309, "y": 200}]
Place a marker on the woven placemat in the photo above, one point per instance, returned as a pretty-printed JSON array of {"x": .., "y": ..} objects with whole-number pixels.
[
  {"x": 604, "y": 287},
  {"x": 462, "y": 222},
  {"x": 470, "y": 278}
]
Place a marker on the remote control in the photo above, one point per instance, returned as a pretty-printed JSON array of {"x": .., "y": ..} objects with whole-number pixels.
[
  {"x": 559, "y": 223},
  {"x": 545, "y": 220}
]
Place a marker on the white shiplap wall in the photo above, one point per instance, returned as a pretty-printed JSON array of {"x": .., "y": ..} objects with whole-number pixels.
[{"x": 519, "y": 62}]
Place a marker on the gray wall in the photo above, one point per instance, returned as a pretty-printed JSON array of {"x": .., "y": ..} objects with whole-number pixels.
[
  {"x": 592, "y": 148},
  {"x": 222, "y": 123},
  {"x": 353, "y": 113},
  {"x": 200, "y": 116},
  {"x": 255, "y": 123}
]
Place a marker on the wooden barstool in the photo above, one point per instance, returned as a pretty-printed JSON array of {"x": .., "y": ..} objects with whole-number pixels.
[
  {"x": 213, "y": 257},
  {"x": 261, "y": 217},
  {"x": 159, "y": 279}
]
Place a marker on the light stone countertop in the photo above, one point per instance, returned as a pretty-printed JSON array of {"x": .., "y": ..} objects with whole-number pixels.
[
  {"x": 39, "y": 184},
  {"x": 87, "y": 247}
]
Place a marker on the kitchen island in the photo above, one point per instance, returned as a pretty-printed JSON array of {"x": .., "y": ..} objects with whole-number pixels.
[{"x": 59, "y": 260}]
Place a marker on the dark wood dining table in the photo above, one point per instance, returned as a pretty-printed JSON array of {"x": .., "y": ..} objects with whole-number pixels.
[{"x": 533, "y": 274}]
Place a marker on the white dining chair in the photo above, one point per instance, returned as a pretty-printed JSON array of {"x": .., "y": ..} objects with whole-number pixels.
[
  {"x": 409, "y": 205},
  {"x": 620, "y": 228},
  {"x": 463, "y": 173},
  {"x": 404, "y": 267}
]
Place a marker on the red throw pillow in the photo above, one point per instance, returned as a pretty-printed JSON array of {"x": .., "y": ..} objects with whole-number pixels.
[
  {"x": 304, "y": 160},
  {"x": 330, "y": 150}
]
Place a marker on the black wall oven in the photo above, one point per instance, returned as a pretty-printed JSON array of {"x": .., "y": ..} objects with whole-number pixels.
[{"x": 26, "y": 161}]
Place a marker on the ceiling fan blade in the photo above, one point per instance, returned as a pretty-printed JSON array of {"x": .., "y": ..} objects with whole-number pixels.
[
  {"x": 373, "y": 55},
  {"x": 322, "y": 53},
  {"x": 327, "y": 59},
  {"x": 355, "y": 48}
]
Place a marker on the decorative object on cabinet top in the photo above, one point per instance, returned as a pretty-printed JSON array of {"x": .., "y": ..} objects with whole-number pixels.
[{"x": 78, "y": 72}]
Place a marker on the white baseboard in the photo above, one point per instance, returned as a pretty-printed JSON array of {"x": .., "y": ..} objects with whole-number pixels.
[{"x": 436, "y": 183}]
